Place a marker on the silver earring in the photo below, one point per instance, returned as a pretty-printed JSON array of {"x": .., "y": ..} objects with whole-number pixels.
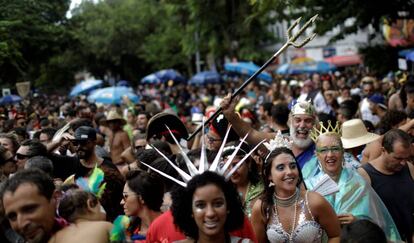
[{"x": 271, "y": 184}]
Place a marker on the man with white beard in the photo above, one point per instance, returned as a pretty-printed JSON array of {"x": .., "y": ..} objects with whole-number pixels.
[{"x": 301, "y": 120}]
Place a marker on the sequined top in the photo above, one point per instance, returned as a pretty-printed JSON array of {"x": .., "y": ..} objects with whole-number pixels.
[{"x": 306, "y": 230}]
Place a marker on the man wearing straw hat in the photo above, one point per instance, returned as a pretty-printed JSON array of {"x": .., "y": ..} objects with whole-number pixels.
[
  {"x": 355, "y": 136},
  {"x": 302, "y": 118},
  {"x": 118, "y": 139}
]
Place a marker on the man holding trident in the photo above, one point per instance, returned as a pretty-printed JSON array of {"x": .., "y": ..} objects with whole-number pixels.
[{"x": 302, "y": 118}]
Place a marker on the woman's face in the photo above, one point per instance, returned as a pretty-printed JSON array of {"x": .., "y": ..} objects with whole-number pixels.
[
  {"x": 131, "y": 202},
  {"x": 284, "y": 173},
  {"x": 240, "y": 176},
  {"x": 209, "y": 209},
  {"x": 330, "y": 154}
]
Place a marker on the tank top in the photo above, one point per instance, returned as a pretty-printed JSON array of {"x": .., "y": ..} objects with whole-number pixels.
[
  {"x": 306, "y": 231},
  {"x": 397, "y": 193}
]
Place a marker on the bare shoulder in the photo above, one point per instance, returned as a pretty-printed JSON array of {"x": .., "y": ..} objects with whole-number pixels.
[
  {"x": 257, "y": 214},
  {"x": 316, "y": 202},
  {"x": 105, "y": 225},
  {"x": 364, "y": 174},
  {"x": 258, "y": 205}
]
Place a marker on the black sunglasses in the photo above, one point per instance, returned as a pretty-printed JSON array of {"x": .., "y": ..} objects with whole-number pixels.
[
  {"x": 79, "y": 142},
  {"x": 139, "y": 147},
  {"x": 22, "y": 156}
]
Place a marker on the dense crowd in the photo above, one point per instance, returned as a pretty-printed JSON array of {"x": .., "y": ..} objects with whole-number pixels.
[{"x": 318, "y": 158}]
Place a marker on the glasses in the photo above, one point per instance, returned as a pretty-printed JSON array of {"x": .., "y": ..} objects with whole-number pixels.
[
  {"x": 22, "y": 156},
  {"x": 212, "y": 140},
  {"x": 79, "y": 142},
  {"x": 139, "y": 147},
  {"x": 126, "y": 195},
  {"x": 326, "y": 150},
  {"x": 11, "y": 159}
]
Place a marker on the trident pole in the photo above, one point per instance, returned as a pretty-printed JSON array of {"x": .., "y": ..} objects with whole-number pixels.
[{"x": 289, "y": 42}]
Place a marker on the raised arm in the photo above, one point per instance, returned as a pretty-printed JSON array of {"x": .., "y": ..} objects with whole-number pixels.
[{"x": 241, "y": 127}]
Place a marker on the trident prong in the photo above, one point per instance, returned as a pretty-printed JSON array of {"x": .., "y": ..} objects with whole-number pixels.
[
  {"x": 289, "y": 30},
  {"x": 292, "y": 39},
  {"x": 289, "y": 42}
]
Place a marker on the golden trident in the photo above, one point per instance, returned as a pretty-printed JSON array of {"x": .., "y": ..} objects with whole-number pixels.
[{"x": 289, "y": 42}]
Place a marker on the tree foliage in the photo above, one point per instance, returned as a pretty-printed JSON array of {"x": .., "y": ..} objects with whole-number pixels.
[
  {"x": 30, "y": 33},
  {"x": 129, "y": 39},
  {"x": 334, "y": 13}
]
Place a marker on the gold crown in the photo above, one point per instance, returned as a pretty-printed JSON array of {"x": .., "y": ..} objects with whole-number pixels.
[{"x": 315, "y": 133}]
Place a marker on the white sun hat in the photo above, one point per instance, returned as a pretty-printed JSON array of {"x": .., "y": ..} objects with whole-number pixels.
[{"x": 355, "y": 134}]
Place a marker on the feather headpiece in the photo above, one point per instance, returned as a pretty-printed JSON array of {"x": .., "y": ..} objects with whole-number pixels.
[
  {"x": 203, "y": 164},
  {"x": 93, "y": 183}
]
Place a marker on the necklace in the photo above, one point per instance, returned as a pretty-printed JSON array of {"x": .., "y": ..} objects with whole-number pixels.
[
  {"x": 294, "y": 215},
  {"x": 286, "y": 202}
]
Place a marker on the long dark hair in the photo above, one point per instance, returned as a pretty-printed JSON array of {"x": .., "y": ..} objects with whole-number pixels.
[{"x": 267, "y": 197}]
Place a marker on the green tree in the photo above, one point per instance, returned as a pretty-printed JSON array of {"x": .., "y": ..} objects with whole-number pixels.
[{"x": 31, "y": 32}]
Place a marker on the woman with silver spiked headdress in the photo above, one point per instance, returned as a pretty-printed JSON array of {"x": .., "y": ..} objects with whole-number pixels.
[
  {"x": 208, "y": 209},
  {"x": 353, "y": 198},
  {"x": 286, "y": 213},
  {"x": 215, "y": 169}
]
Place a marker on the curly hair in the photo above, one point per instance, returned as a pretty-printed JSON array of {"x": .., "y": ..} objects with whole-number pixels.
[
  {"x": 182, "y": 204},
  {"x": 267, "y": 196}
]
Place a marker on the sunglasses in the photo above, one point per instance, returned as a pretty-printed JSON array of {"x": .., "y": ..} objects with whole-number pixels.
[
  {"x": 211, "y": 139},
  {"x": 11, "y": 159},
  {"x": 79, "y": 142},
  {"x": 139, "y": 147},
  {"x": 21, "y": 156},
  {"x": 126, "y": 195},
  {"x": 325, "y": 150}
]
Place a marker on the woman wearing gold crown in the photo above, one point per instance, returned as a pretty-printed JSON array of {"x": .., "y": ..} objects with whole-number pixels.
[
  {"x": 285, "y": 213},
  {"x": 348, "y": 193}
]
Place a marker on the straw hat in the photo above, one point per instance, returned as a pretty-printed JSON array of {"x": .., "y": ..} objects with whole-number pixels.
[
  {"x": 114, "y": 116},
  {"x": 355, "y": 134}
]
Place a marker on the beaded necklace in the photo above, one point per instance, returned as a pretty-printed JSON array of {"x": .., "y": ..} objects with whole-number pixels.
[{"x": 287, "y": 202}]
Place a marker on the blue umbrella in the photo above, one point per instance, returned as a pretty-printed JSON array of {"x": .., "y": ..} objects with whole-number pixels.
[
  {"x": 10, "y": 99},
  {"x": 246, "y": 68},
  {"x": 308, "y": 67},
  {"x": 319, "y": 67},
  {"x": 163, "y": 76},
  {"x": 170, "y": 74},
  {"x": 150, "y": 79},
  {"x": 85, "y": 87},
  {"x": 410, "y": 56},
  {"x": 206, "y": 77},
  {"x": 112, "y": 95},
  {"x": 123, "y": 83},
  {"x": 289, "y": 68}
]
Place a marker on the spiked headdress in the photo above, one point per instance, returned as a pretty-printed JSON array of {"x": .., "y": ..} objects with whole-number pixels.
[
  {"x": 280, "y": 140},
  {"x": 316, "y": 132},
  {"x": 203, "y": 165}
]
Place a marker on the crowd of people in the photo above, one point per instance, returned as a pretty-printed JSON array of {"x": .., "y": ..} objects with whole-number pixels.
[{"x": 318, "y": 158}]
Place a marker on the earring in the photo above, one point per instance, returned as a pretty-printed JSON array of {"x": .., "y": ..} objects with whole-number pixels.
[{"x": 271, "y": 184}]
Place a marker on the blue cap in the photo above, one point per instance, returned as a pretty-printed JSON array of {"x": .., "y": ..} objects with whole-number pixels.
[{"x": 378, "y": 99}]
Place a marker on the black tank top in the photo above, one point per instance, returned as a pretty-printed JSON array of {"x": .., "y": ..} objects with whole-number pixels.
[{"x": 397, "y": 193}]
